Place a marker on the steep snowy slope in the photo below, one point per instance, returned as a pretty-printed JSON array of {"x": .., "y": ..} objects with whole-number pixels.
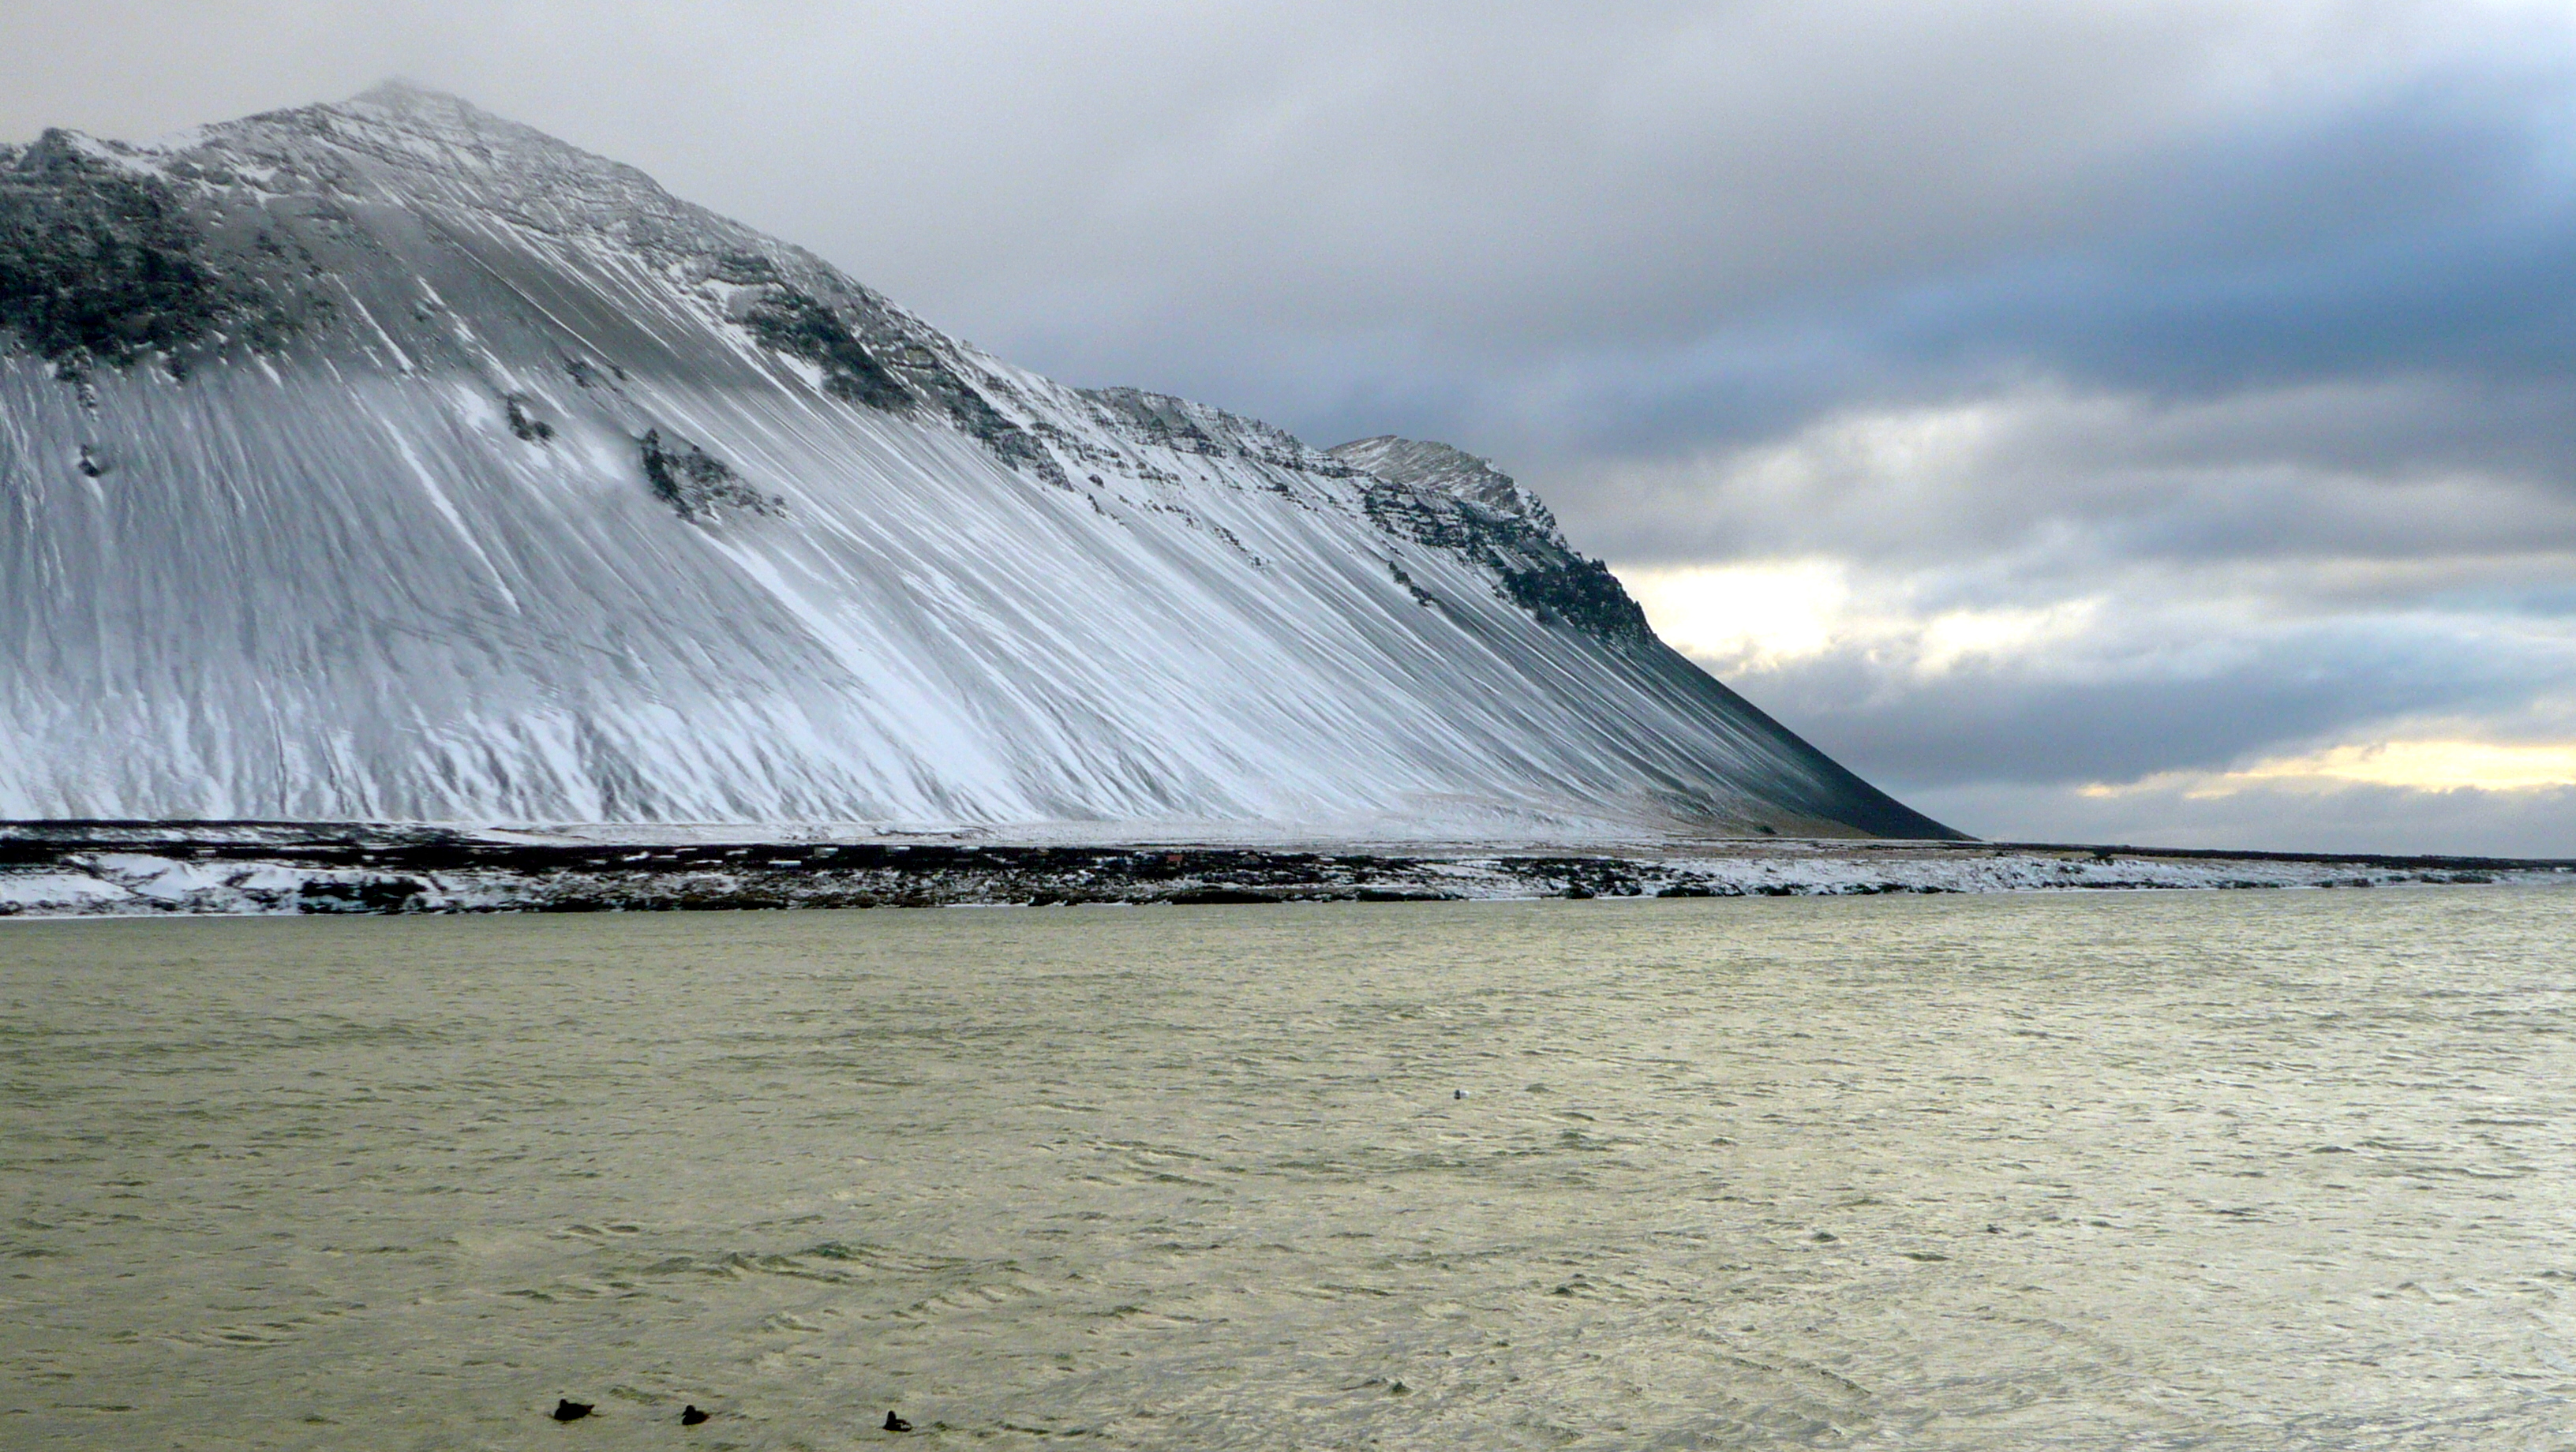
[{"x": 392, "y": 461}]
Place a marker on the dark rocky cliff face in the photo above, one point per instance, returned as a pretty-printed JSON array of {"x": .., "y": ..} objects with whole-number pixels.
[
  {"x": 101, "y": 264},
  {"x": 97, "y": 263}
]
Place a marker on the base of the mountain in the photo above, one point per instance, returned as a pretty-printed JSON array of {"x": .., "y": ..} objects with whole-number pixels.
[{"x": 95, "y": 869}]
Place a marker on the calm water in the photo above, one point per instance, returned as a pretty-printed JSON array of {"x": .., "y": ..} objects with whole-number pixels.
[{"x": 2225, "y": 1170}]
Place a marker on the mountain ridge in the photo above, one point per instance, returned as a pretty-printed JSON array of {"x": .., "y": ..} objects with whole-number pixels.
[{"x": 392, "y": 460}]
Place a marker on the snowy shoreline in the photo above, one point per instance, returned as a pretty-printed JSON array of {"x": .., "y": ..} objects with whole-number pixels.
[{"x": 62, "y": 870}]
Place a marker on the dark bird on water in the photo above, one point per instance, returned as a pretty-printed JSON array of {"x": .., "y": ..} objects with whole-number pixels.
[
  {"x": 894, "y": 1423},
  {"x": 690, "y": 1416},
  {"x": 568, "y": 1410}
]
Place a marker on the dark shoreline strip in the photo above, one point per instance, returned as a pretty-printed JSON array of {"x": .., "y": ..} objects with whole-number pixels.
[{"x": 388, "y": 869}]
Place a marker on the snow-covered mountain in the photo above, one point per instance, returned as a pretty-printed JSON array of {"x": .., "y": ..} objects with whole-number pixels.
[{"x": 393, "y": 461}]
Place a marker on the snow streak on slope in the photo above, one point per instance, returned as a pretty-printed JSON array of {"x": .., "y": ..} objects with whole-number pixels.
[{"x": 392, "y": 461}]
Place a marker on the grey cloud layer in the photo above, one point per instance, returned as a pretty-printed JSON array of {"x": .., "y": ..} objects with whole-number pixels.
[
  {"x": 2061, "y": 485},
  {"x": 2001, "y": 305}
]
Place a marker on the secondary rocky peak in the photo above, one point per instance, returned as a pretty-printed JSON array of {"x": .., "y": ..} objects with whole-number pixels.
[{"x": 1451, "y": 471}]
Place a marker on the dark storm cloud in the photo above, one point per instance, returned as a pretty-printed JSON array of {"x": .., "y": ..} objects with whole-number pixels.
[
  {"x": 2428, "y": 229},
  {"x": 1998, "y": 306}
]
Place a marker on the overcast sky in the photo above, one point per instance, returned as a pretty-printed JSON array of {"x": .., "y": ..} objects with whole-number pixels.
[{"x": 2148, "y": 422}]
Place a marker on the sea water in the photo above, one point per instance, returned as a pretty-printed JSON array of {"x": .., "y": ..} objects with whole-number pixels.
[{"x": 2102, "y": 1170}]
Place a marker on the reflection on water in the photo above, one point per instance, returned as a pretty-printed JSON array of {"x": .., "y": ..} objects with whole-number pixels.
[{"x": 2276, "y": 1170}]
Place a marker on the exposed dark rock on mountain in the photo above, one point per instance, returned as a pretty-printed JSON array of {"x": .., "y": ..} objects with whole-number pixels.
[
  {"x": 1453, "y": 500},
  {"x": 99, "y": 263},
  {"x": 690, "y": 480}
]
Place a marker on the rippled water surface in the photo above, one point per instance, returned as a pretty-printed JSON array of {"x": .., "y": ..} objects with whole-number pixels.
[{"x": 2225, "y": 1170}]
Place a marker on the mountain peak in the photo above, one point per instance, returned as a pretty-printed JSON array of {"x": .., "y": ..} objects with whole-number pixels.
[
  {"x": 406, "y": 107},
  {"x": 414, "y": 128},
  {"x": 396, "y": 93},
  {"x": 409, "y": 106}
]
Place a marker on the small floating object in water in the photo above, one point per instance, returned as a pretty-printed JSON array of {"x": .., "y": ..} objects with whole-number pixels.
[
  {"x": 568, "y": 1410},
  {"x": 894, "y": 1423},
  {"x": 690, "y": 1416}
]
